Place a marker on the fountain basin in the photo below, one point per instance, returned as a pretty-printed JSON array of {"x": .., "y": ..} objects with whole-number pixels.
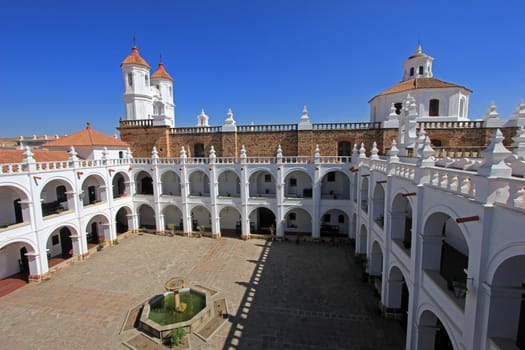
[{"x": 158, "y": 321}]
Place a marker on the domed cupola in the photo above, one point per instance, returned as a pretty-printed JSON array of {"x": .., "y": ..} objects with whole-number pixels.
[
  {"x": 161, "y": 73},
  {"x": 135, "y": 59},
  {"x": 419, "y": 65}
]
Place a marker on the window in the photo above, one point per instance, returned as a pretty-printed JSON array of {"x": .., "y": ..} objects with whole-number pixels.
[
  {"x": 330, "y": 177},
  {"x": 341, "y": 219},
  {"x": 291, "y": 216},
  {"x": 462, "y": 107},
  {"x": 146, "y": 80},
  {"x": 412, "y": 71},
  {"x": 420, "y": 70},
  {"x": 121, "y": 154},
  {"x": 267, "y": 178},
  {"x": 293, "y": 182},
  {"x": 326, "y": 218},
  {"x": 436, "y": 143},
  {"x": 130, "y": 79},
  {"x": 344, "y": 149},
  {"x": 170, "y": 92},
  {"x": 399, "y": 107},
  {"x": 198, "y": 150},
  {"x": 61, "y": 194},
  {"x": 433, "y": 108}
]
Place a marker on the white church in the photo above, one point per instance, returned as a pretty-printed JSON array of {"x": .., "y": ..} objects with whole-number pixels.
[{"x": 441, "y": 238}]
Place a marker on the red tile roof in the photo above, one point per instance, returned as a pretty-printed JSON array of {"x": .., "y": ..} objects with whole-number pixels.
[
  {"x": 420, "y": 83},
  {"x": 161, "y": 73},
  {"x": 8, "y": 156},
  {"x": 134, "y": 58},
  {"x": 86, "y": 138}
]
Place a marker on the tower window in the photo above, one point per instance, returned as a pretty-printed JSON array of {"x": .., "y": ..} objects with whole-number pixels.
[
  {"x": 170, "y": 92},
  {"x": 146, "y": 80},
  {"x": 130, "y": 79},
  {"x": 398, "y": 106},
  {"x": 412, "y": 71},
  {"x": 433, "y": 108},
  {"x": 420, "y": 70},
  {"x": 462, "y": 107}
]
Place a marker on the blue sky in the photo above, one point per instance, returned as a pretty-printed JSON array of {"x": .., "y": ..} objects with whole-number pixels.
[{"x": 60, "y": 60}]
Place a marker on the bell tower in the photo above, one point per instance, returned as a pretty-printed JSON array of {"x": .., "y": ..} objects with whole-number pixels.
[{"x": 137, "y": 92}]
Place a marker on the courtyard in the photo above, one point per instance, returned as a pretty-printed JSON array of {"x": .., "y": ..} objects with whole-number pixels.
[{"x": 279, "y": 294}]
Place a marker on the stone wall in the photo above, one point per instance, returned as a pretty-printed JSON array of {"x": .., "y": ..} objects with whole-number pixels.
[{"x": 293, "y": 142}]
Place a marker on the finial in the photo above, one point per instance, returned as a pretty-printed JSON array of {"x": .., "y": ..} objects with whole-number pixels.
[
  {"x": 134, "y": 41},
  {"x": 160, "y": 58},
  {"x": 88, "y": 125}
]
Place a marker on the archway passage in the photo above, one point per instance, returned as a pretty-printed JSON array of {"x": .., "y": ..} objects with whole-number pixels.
[
  {"x": 173, "y": 219},
  {"x": 507, "y": 302},
  {"x": 120, "y": 184},
  {"x": 123, "y": 220},
  {"x": 59, "y": 246},
  {"x": 432, "y": 334},
  {"x": 14, "y": 267},
  {"x": 397, "y": 297},
  {"x": 334, "y": 223},
  {"x": 147, "y": 217},
  {"x": 230, "y": 222},
  {"x": 11, "y": 212},
  {"x": 262, "y": 221}
]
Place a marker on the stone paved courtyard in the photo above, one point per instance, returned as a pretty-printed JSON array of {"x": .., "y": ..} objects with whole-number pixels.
[{"x": 281, "y": 296}]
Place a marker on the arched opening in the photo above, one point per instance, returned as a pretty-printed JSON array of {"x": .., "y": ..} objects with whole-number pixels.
[
  {"x": 462, "y": 107},
  {"x": 59, "y": 246},
  {"x": 298, "y": 184},
  {"x": 262, "y": 221},
  {"x": 56, "y": 197},
  {"x": 397, "y": 297},
  {"x": 507, "y": 303},
  {"x": 335, "y": 185},
  {"x": 123, "y": 220},
  {"x": 147, "y": 218},
  {"x": 334, "y": 223},
  {"x": 93, "y": 190},
  {"x": 170, "y": 184},
  {"x": 198, "y": 150},
  {"x": 362, "y": 240},
  {"x": 229, "y": 184},
  {"x": 375, "y": 266},
  {"x": 144, "y": 183},
  {"x": 15, "y": 266},
  {"x": 378, "y": 205},
  {"x": 364, "y": 194},
  {"x": 97, "y": 230},
  {"x": 445, "y": 254},
  {"x": 298, "y": 222},
  {"x": 13, "y": 207},
  {"x": 432, "y": 334},
  {"x": 353, "y": 228},
  {"x": 262, "y": 184},
  {"x": 199, "y": 184},
  {"x": 120, "y": 184},
  {"x": 230, "y": 222},
  {"x": 401, "y": 223},
  {"x": 200, "y": 219},
  {"x": 173, "y": 219}
]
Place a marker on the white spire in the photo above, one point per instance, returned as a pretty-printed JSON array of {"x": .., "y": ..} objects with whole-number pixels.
[
  {"x": 229, "y": 123},
  {"x": 305, "y": 124},
  {"x": 202, "y": 119}
]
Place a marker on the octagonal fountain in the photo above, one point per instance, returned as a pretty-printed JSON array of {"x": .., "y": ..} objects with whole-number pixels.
[{"x": 178, "y": 307}]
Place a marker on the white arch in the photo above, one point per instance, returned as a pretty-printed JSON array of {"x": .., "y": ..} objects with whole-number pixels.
[{"x": 442, "y": 317}]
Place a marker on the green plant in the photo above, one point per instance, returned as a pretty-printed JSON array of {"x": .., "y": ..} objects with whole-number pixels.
[
  {"x": 115, "y": 241},
  {"x": 4, "y": 224},
  {"x": 177, "y": 335},
  {"x": 100, "y": 246}
]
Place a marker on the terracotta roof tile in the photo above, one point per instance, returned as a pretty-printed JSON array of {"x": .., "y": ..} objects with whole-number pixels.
[
  {"x": 161, "y": 73},
  {"x": 9, "y": 156},
  {"x": 420, "y": 83},
  {"x": 134, "y": 58},
  {"x": 86, "y": 138}
]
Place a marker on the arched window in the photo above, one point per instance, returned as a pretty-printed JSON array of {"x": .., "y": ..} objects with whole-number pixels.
[
  {"x": 130, "y": 79},
  {"x": 436, "y": 143},
  {"x": 412, "y": 71},
  {"x": 146, "y": 80},
  {"x": 433, "y": 108},
  {"x": 170, "y": 92},
  {"x": 420, "y": 70},
  {"x": 121, "y": 154},
  {"x": 462, "y": 107}
]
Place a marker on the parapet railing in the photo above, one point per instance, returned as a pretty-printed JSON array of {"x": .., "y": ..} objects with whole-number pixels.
[
  {"x": 452, "y": 125},
  {"x": 136, "y": 123},
  {"x": 196, "y": 130},
  {"x": 458, "y": 152},
  {"x": 346, "y": 126},
  {"x": 266, "y": 127}
]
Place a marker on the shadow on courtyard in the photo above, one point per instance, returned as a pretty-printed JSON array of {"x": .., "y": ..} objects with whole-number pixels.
[{"x": 310, "y": 295}]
